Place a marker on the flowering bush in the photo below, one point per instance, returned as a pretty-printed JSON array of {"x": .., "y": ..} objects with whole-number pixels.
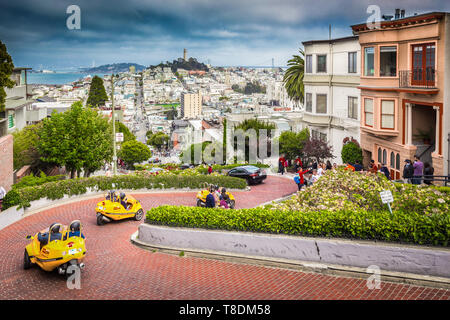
[{"x": 347, "y": 190}]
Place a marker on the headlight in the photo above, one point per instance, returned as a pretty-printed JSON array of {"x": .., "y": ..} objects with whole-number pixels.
[{"x": 100, "y": 208}]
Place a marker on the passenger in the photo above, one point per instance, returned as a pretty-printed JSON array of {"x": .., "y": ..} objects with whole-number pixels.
[
  {"x": 224, "y": 202},
  {"x": 75, "y": 229},
  {"x": 123, "y": 200},
  {"x": 210, "y": 199}
]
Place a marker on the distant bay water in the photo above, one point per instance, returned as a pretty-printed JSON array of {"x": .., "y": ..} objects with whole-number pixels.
[{"x": 57, "y": 77}]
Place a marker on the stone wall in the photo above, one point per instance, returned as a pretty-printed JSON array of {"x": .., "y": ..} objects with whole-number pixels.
[{"x": 6, "y": 162}]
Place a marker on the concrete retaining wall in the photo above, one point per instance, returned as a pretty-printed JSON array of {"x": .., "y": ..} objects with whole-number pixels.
[
  {"x": 400, "y": 258},
  {"x": 9, "y": 216}
]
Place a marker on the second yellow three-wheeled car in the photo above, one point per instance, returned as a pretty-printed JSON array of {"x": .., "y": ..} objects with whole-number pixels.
[{"x": 118, "y": 208}]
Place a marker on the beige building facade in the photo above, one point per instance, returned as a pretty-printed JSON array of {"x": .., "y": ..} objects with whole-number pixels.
[{"x": 191, "y": 105}]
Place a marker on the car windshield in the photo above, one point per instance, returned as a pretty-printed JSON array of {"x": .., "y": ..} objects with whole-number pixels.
[{"x": 251, "y": 168}]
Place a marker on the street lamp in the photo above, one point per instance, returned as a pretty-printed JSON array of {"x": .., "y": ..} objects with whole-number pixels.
[{"x": 114, "y": 127}]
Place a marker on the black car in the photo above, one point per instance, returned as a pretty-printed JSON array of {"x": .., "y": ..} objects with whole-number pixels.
[{"x": 251, "y": 173}]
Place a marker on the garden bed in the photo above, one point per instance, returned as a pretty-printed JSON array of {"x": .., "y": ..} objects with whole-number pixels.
[
  {"x": 58, "y": 189},
  {"x": 341, "y": 204}
]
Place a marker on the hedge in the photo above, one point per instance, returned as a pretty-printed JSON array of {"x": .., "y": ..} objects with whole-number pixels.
[
  {"x": 407, "y": 227},
  {"x": 57, "y": 190}
]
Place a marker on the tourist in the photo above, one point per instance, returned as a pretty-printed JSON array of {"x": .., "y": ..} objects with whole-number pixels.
[
  {"x": 281, "y": 161},
  {"x": 329, "y": 166},
  {"x": 335, "y": 166},
  {"x": 314, "y": 176},
  {"x": 298, "y": 164},
  {"x": 408, "y": 171},
  {"x": 428, "y": 173},
  {"x": 320, "y": 169},
  {"x": 349, "y": 167},
  {"x": 224, "y": 202},
  {"x": 418, "y": 170},
  {"x": 301, "y": 178},
  {"x": 358, "y": 166},
  {"x": 372, "y": 167},
  {"x": 385, "y": 171},
  {"x": 210, "y": 170}
]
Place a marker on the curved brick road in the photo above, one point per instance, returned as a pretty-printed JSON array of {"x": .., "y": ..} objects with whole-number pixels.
[{"x": 116, "y": 269}]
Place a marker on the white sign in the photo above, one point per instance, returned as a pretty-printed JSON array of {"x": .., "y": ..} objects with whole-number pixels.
[
  {"x": 119, "y": 136},
  {"x": 386, "y": 196}
]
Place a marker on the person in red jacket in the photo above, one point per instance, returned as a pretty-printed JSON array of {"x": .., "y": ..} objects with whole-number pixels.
[
  {"x": 209, "y": 169},
  {"x": 301, "y": 172},
  {"x": 281, "y": 161}
]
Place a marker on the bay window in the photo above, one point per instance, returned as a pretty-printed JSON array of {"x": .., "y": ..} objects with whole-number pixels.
[
  {"x": 387, "y": 114},
  {"x": 388, "y": 61},
  {"x": 369, "y": 61},
  {"x": 368, "y": 112},
  {"x": 321, "y": 103}
]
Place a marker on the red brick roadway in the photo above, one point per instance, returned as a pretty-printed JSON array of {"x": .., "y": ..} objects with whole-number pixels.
[{"x": 116, "y": 269}]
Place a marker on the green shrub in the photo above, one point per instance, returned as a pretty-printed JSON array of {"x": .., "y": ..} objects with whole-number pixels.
[
  {"x": 57, "y": 189},
  {"x": 351, "y": 153},
  {"x": 400, "y": 226},
  {"x": 31, "y": 180}
]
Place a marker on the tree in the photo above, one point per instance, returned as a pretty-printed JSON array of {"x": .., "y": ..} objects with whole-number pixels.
[
  {"x": 97, "y": 93},
  {"x": 291, "y": 143},
  {"x": 293, "y": 78},
  {"x": 317, "y": 149},
  {"x": 351, "y": 153},
  {"x": 133, "y": 152},
  {"x": 25, "y": 147},
  {"x": 6, "y": 69},
  {"x": 158, "y": 140},
  {"x": 127, "y": 135},
  {"x": 78, "y": 139}
]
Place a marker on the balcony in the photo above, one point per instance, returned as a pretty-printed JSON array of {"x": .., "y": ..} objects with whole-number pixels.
[{"x": 423, "y": 78}]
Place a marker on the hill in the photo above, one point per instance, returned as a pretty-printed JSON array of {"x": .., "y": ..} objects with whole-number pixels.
[{"x": 113, "y": 68}]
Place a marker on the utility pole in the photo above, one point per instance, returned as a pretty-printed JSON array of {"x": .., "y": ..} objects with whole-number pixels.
[{"x": 114, "y": 126}]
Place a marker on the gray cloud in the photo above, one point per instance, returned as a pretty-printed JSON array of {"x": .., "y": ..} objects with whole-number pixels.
[{"x": 227, "y": 32}]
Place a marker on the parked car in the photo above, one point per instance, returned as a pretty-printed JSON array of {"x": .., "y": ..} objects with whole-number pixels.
[
  {"x": 186, "y": 166},
  {"x": 252, "y": 174}
]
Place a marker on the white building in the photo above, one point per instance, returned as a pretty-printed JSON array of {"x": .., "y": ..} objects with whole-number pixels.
[
  {"x": 331, "y": 106},
  {"x": 191, "y": 105}
]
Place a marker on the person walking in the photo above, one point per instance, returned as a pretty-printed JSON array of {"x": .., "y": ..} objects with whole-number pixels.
[
  {"x": 210, "y": 170},
  {"x": 298, "y": 164},
  {"x": 408, "y": 171},
  {"x": 281, "y": 161},
  {"x": 418, "y": 170},
  {"x": 428, "y": 172}
]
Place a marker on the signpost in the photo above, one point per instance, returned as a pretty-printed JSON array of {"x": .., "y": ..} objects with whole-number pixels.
[{"x": 386, "y": 197}]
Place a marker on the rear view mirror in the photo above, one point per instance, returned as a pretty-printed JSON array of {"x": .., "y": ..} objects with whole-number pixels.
[{"x": 29, "y": 237}]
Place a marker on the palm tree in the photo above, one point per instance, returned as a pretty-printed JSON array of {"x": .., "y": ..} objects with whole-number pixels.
[{"x": 293, "y": 78}]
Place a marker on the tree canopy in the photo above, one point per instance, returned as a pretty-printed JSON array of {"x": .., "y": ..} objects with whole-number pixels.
[
  {"x": 293, "y": 77},
  {"x": 25, "y": 146},
  {"x": 79, "y": 139},
  {"x": 351, "y": 153},
  {"x": 97, "y": 93},
  {"x": 127, "y": 134},
  {"x": 158, "y": 139},
  {"x": 6, "y": 69},
  {"x": 291, "y": 143},
  {"x": 133, "y": 152},
  {"x": 317, "y": 150}
]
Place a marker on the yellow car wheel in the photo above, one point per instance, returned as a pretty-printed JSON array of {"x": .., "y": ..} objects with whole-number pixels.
[
  {"x": 100, "y": 220},
  {"x": 26, "y": 260},
  {"x": 139, "y": 214}
]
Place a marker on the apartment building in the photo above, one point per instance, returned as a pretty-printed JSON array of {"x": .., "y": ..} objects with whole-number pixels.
[
  {"x": 191, "y": 105},
  {"x": 17, "y": 100},
  {"x": 405, "y": 91},
  {"x": 331, "y": 79}
]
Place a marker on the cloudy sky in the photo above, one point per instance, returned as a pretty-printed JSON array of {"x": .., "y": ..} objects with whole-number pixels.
[{"x": 225, "y": 32}]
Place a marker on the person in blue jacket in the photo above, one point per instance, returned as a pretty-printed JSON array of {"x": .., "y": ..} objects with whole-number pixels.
[{"x": 210, "y": 201}]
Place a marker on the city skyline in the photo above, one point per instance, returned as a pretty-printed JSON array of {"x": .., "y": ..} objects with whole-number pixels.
[{"x": 152, "y": 32}]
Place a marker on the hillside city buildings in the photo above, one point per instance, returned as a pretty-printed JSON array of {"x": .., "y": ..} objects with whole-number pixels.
[{"x": 388, "y": 88}]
